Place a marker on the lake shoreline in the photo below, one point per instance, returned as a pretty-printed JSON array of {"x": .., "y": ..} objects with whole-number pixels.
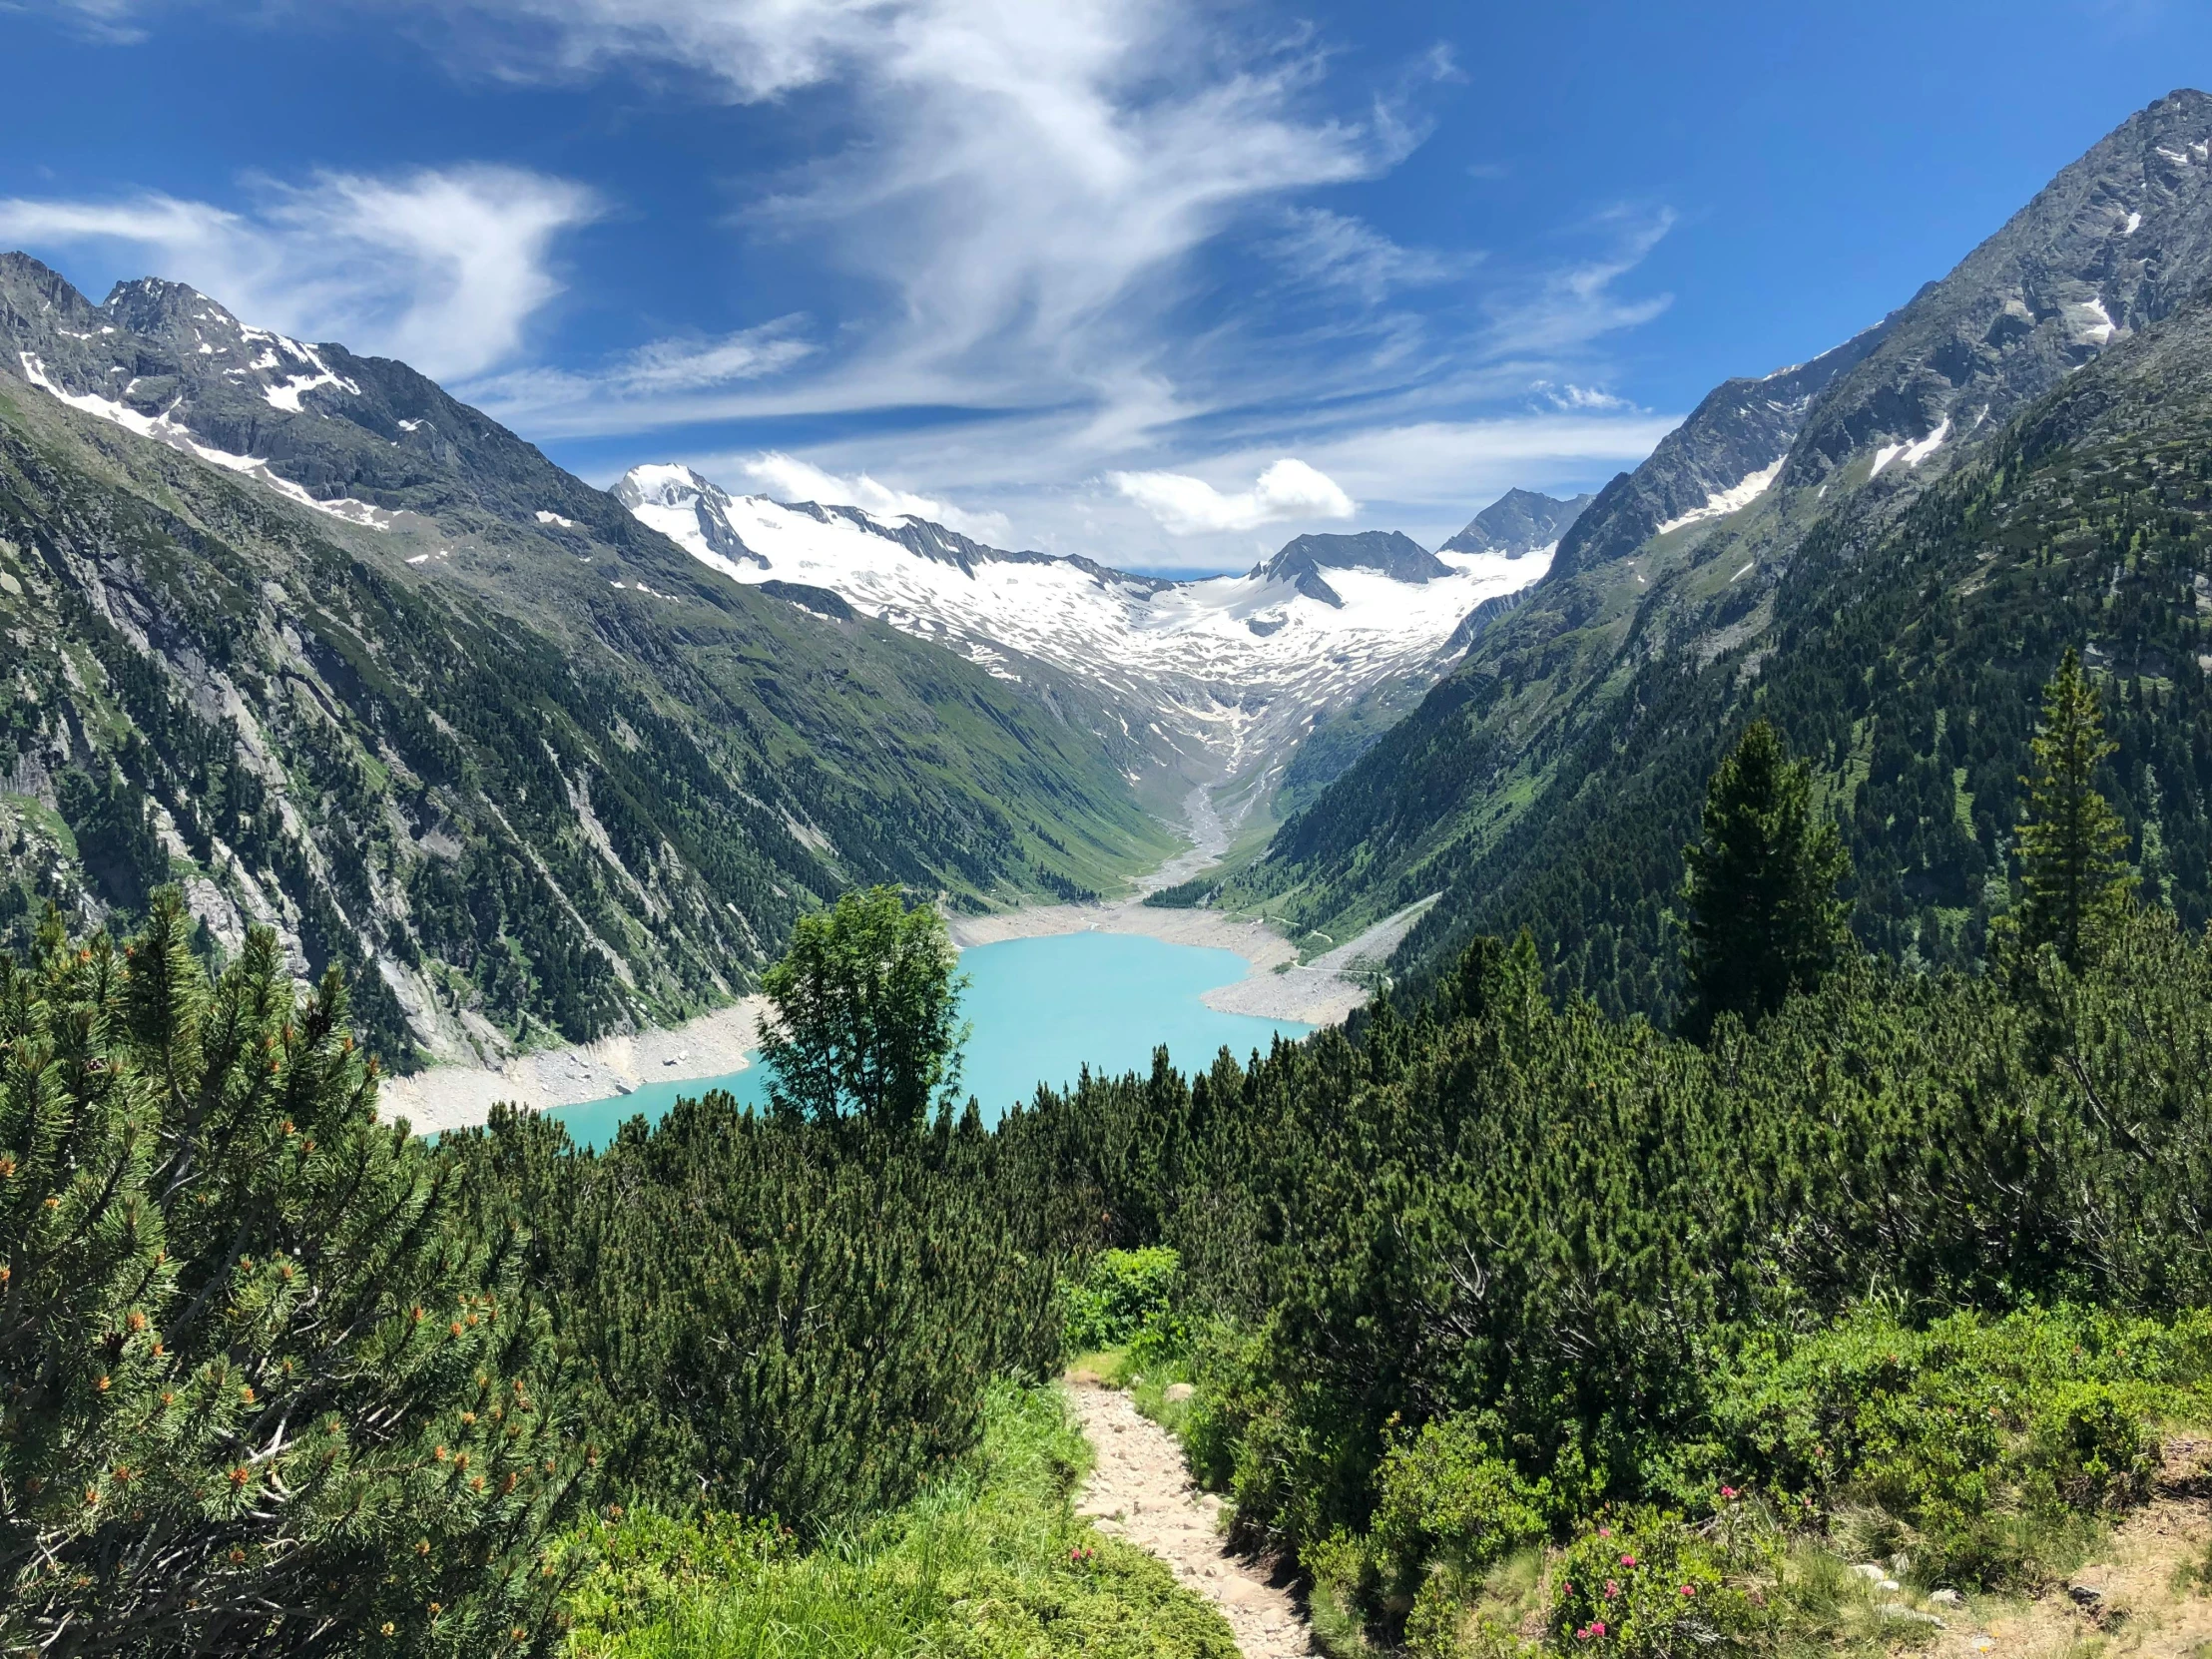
[
  {"x": 1277, "y": 988},
  {"x": 719, "y": 1043},
  {"x": 440, "y": 1098}
]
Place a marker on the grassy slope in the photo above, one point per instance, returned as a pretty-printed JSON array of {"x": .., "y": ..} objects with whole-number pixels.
[{"x": 991, "y": 1564}]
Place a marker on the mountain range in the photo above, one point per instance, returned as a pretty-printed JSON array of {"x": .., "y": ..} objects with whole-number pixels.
[
  {"x": 1885, "y": 550},
  {"x": 1215, "y": 683},
  {"x": 295, "y": 629},
  {"x": 298, "y": 631}
]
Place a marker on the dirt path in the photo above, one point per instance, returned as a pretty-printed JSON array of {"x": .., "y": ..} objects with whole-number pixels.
[{"x": 1139, "y": 1491}]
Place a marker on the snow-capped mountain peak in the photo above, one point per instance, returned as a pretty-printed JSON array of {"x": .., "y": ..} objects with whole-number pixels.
[{"x": 1226, "y": 675}]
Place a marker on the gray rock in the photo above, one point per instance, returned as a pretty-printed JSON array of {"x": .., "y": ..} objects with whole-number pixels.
[{"x": 1519, "y": 522}]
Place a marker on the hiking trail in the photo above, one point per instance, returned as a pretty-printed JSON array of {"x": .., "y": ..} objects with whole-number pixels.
[{"x": 1139, "y": 1490}]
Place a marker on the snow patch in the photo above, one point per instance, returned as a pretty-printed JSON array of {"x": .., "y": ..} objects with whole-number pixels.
[
  {"x": 545, "y": 517},
  {"x": 1911, "y": 454},
  {"x": 163, "y": 429},
  {"x": 2089, "y": 322},
  {"x": 2134, "y": 224},
  {"x": 1731, "y": 500},
  {"x": 1184, "y": 659}
]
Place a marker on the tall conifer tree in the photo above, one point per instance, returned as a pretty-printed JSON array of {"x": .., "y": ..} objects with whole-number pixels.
[
  {"x": 1763, "y": 918},
  {"x": 2073, "y": 847}
]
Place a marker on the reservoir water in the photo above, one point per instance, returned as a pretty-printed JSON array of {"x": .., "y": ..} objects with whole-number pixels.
[{"x": 1041, "y": 1009}]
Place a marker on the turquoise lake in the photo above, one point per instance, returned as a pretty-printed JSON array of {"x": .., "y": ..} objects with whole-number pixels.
[{"x": 1041, "y": 1009}]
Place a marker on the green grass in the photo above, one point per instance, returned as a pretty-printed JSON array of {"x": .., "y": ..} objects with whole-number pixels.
[{"x": 990, "y": 1564}]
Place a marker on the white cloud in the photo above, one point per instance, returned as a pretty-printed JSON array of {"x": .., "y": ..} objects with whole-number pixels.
[
  {"x": 1024, "y": 182},
  {"x": 1288, "y": 489},
  {"x": 655, "y": 385},
  {"x": 1577, "y": 304},
  {"x": 1330, "y": 250},
  {"x": 443, "y": 267},
  {"x": 1572, "y": 397},
  {"x": 788, "y": 478}
]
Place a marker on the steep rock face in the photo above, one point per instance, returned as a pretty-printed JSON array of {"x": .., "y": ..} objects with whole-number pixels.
[
  {"x": 297, "y": 631},
  {"x": 2116, "y": 240},
  {"x": 1719, "y": 461},
  {"x": 1519, "y": 522},
  {"x": 1206, "y": 682},
  {"x": 1390, "y": 553},
  {"x": 359, "y": 438}
]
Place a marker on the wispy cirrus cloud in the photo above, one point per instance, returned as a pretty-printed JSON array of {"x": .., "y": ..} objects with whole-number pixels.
[
  {"x": 1069, "y": 246},
  {"x": 441, "y": 267},
  {"x": 657, "y": 383},
  {"x": 1570, "y": 307}
]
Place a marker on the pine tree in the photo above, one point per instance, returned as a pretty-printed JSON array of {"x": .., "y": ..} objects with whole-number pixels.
[
  {"x": 258, "y": 1391},
  {"x": 1765, "y": 919},
  {"x": 2074, "y": 876}
]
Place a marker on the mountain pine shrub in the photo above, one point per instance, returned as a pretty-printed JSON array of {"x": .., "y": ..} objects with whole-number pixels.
[{"x": 258, "y": 1392}]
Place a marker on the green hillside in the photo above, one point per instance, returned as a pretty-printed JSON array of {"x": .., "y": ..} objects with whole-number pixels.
[
  {"x": 1553, "y": 779},
  {"x": 515, "y": 781}
]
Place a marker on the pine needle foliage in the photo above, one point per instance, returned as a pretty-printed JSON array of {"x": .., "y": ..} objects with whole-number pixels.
[
  {"x": 2074, "y": 876},
  {"x": 258, "y": 1391},
  {"x": 1764, "y": 916},
  {"x": 1558, "y": 1237}
]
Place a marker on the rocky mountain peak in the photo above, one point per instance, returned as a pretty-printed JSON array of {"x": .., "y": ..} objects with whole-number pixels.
[
  {"x": 2116, "y": 240},
  {"x": 1519, "y": 522},
  {"x": 1392, "y": 553}
]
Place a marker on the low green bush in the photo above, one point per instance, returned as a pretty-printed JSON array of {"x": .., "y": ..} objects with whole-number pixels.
[
  {"x": 1450, "y": 1496},
  {"x": 1649, "y": 1586},
  {"x": 1986, "y": 1441},
  {"x": 1125, "y": 1296},
  {"x": 989, "y": 1563}
]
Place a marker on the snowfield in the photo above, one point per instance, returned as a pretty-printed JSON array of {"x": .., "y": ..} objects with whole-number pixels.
[{"x": 1226, "y": 674}]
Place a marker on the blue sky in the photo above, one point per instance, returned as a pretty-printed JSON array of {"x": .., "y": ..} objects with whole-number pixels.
[{"x": 1164, "y": 281}]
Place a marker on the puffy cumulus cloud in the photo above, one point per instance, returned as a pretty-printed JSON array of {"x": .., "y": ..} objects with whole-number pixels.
[
  {"x": 443, "y": 267},
  {"x": 788, "y": 478},
  {"x": 1183, "y": 505}
]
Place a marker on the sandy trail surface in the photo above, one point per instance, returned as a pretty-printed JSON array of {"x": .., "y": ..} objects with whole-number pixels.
[{"x": 1139, "y": 1490}]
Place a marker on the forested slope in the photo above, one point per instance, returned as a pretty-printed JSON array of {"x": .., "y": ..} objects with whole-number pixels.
[
  {"x": 1895, "y": 619},
  {"x": 513, "y": 761}
]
